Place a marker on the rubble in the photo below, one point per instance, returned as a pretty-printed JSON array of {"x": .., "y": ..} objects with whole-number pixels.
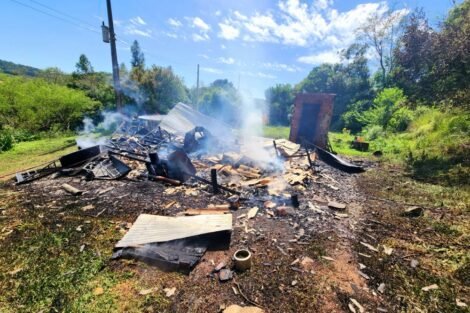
[
  {"x": 225, "y": 275},
  {"x": 191, "y": 155}
]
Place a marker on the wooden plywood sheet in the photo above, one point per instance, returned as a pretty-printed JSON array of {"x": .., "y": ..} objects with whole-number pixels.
[{"x": 154, "y": 228}]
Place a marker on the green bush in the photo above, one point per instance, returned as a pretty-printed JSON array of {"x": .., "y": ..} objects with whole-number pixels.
[
  {"x": 33, "y": 105},
  {"x": 353, "y": 118},
  {"x": 6, "y": 140},
  {"x": 400, "y": 119},
  {"x": 374, "y": 132},
  {"x": 388, "y": 110}
]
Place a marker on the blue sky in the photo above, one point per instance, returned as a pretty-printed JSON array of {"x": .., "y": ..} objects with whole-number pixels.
[{"x": 259, "y": 43}]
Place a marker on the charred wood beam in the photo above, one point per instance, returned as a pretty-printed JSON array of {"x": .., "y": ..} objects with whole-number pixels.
[
  {"x": 215, "y": 186},
  {"x": 164, "y": 179}
]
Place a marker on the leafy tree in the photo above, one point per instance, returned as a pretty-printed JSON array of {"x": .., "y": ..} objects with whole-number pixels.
[
  {"x": 97, "y": 86},
  {"x": 160, "y": 90},
  {"x": 434, "y": 66},
  {"x": 55, "y": 76},
  {"x": 123, "y": 71},
  {"x": 414, "y": 57},
  {"x": 451, "y": 72},
  {"x": 83, "y": 66},
  {"x": 220, "y": 99},
  {"x": 280, "y": 99},
  {"x": 35, "y": 105},
  {"x": 138, "y": 59}
]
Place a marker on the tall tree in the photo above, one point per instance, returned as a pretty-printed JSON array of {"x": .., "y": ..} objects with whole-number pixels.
[
  {"x": 415, "y": 58},
  {"x": 138, "y": 58},
  {"x": 380, "y": 32},
  {"x": 83, "y": 66},
  {"x": 159, "y": 90},
  {"x": 220, "y": 99},
  {"x": 280, "y": 99}
]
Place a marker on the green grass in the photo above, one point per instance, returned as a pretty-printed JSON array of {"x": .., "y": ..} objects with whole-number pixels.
[
  {"x": 438, "y": 240},
  {"x": 276, "y": 132},
  {"x": 33, "y": 153},
  {"x": 341, "y": 143}
]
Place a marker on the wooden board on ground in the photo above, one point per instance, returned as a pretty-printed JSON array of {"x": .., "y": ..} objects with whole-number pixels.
[
  {"x": 154, "y": 228},
  {"x": 287, "y": 148},
  {"x": 208, "y": 211}
]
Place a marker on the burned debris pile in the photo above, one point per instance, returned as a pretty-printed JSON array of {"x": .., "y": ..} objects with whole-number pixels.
[{"x": 188, "y": 151}]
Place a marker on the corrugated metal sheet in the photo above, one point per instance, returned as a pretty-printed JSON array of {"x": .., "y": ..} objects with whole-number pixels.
[
  {"x": 154, "y": 228},
  {"x": 183, "y": 118}
]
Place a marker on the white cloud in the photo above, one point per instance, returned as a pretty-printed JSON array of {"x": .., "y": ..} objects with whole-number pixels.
[
  {"x": 137, "y": 21},
  {"x": 211, "y": 70},
  {"x": 226, "y": 60},
  {"x": 135, "y": 26},
  {"x": 174, "y": 22},
  {"x": 299, "y": 23},
  {"x": 258, "y": 75},
  {"x": 133, "y": 30},
  {"x": 228, "y": 32},
  {"x": 202, "y": 28},
  {"x": 205, "y": 56},
  {"x": 200, "y": 24},
  {"x": 217, "y": 13},
  {"x": 240, "y": 16},
  {"x": 200, "y": 37},
  {"x": 223, "y": 47},
  {"x": 171, "y": 35},
  {"x": 321, "y": 57},
  {"x": 322, "y": 4},
  {"x": 281, "y": 67}
]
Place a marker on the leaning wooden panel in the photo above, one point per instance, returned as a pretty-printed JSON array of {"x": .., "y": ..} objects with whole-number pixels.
[{"x": 154, "y": 228}]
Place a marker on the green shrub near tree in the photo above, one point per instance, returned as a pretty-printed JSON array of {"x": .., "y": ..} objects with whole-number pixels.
[{"x": 29, "y": 106}]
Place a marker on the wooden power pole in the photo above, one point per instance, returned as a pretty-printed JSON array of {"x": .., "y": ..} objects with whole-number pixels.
[{"x": 114, "y": 60}]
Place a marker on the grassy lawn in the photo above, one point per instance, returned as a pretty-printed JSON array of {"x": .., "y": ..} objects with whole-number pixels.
[
  {"x": 339, "y": 141},
  {"x": 276, "y": 132},
  {"x": 33, "y": 153}
]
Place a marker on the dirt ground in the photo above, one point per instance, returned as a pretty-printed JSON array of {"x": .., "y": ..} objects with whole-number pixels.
[{"x": 314, "y": 260}]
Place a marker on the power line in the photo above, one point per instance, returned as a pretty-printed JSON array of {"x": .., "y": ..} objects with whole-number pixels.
[
  {"x": 55, "y": 16},
  {"x": 67, "y": 18},
  {"x": 63, "y": 13}
]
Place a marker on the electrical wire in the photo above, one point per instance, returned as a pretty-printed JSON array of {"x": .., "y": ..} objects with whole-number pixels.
[
  {"x": 55, "y": 16},
  {"x": 63, "y": 13},
  {"x": 86, "y": 26}
]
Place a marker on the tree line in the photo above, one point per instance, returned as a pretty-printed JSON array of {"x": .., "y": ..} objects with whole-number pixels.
[{"x": 417, "y": 65}]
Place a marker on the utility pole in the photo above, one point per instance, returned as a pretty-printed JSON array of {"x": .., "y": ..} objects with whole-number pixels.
[
  {"x": 114, "y": 60},
  {"x": 197, "y": 88}
]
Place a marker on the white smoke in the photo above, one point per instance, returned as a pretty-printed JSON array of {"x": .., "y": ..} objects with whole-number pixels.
[
  {"x": 92, "y": 134},
  {"x": 254, "y": 146}
]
